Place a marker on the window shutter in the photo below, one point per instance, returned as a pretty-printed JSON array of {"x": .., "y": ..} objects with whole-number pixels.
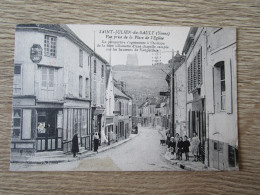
[
  {"x": 95, "y": 92},
  {"x": 210, "y": 100},
  {"x": 189, "y": 79},
  {"x": 192, "y": 77},
  {"x": 27, "y": 119},
  {"x": 195, "y": 73},
  {"x": 199, "y": 67},
  {"x": 228, "y": 77}
]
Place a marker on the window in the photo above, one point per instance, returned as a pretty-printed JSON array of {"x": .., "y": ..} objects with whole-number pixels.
[
  {"x": 50, "y": 46},
  {"x": 51, "y": 77},
  {"x": 223, "y": 87},
  {"x": 80, "y": 58},
  {"x": 102, "y": 94},
  {"x": 17, "y": 80},
  {"x": 102, "y": 70},
  {"x": 94, "y": 98},
  {"x": 232, "y": 156},
  {"x": 95, "y": 66},
  {"x": 120, "y": 108},
  {"x": 16, "y": 127},
  {"x": 219, "y": 86},
  {"x": 194, "y": 72},
  {"x": 87, "y": 88},
  {"x": 80, "y": 86},
  {"x": 47, "y": 77}
]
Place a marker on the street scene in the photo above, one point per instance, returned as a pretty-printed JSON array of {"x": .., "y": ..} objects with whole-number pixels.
[
  {"x": 124, "y": 98},
  {"x": 142, "y": 153}
]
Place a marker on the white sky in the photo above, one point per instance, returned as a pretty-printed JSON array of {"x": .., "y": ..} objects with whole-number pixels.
[{"x": 175, "y": 41}]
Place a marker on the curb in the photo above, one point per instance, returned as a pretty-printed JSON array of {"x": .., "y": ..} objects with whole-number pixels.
[{"x": 87, "y": 154}]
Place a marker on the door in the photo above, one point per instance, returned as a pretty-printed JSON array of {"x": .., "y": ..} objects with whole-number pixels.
[
  {"x": 99, "y": 122},
  {"x": 47, "y": 130}
]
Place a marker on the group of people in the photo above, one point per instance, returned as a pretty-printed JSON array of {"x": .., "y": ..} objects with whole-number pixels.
[
  {"x": 178, "y": 146},
  {"x": 75, "y": 144}
]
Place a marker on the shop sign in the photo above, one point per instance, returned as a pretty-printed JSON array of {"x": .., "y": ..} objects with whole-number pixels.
[{"x": 36, "y": 53}]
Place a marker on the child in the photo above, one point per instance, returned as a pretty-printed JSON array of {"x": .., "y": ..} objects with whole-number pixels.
[
  {"x": 180, "y": 148},
  {"x": 186, "y": 145},
  {"x": 171, "y": 145}
]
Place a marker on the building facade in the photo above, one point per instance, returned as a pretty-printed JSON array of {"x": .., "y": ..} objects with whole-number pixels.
[
  {"x": 211, "y": 94},
  {"x": 110, "y": 132},
  {"x": 123, "y": 118},
  {"x": 51, "y": 97},
  {"x": 98, "y": 91}
]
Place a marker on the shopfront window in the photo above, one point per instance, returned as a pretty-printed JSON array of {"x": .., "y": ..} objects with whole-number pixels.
[
  {"x": 17, "y": 80},
  {"x": 17, "y": 113}
]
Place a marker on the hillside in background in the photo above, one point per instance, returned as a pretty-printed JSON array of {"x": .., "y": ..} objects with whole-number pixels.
[{"x": 142, "y": 81}]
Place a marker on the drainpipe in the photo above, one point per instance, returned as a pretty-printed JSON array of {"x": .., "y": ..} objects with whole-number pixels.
[
  {"x": 90, "y": 96},
  {"x": 172, "y": 102}
]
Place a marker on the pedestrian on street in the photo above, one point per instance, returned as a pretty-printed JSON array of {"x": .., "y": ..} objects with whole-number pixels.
[
  {"x": 96, "y": 141},
  {"x": 171, "y": 145},
  {"x": 168, "y": 137},
  {"x": 186, "y": 145},
  {"x": 75, "y": 145},
  {"x": 180, "y": 148},
  {"x": 176, "y": 142},
  {"x": 195, "y": 142}
]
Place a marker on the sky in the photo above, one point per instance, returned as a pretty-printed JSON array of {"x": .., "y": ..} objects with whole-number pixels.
[{"x": 125, "y": 37}]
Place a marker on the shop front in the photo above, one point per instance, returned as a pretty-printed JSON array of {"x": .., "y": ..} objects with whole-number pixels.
[{"x": 49, "y": 132}]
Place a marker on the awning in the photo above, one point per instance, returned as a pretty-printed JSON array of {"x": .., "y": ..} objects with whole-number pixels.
[{"x": 98, "y": 112}]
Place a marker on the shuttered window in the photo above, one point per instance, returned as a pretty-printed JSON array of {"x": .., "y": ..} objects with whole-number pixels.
[
  {"x": 195, "y": 73},
  {"x": 199, "y": 67}
]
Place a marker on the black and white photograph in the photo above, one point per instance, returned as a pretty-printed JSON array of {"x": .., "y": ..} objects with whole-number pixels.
[{"x": 124, "y": 98}]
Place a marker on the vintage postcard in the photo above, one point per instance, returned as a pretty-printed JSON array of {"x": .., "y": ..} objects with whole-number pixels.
[{"x": 124, "y": 98}]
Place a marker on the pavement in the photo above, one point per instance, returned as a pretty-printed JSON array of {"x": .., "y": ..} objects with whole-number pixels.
[
  {"x": 189, "y": 165},
  {"x": 59, "y": 156}
]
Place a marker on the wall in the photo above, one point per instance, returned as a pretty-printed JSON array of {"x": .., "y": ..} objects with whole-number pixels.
[{"x": 180, "y": 100}]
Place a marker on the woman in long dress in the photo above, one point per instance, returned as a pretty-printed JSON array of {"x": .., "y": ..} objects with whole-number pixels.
[
  {"x": 195, "y": 142},
  {"x": 96, "y": 141},
  {"x": 75, "y": 145}
]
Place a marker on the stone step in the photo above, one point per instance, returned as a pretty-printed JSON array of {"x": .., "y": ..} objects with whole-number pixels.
[{"x": 50, "y": 154}]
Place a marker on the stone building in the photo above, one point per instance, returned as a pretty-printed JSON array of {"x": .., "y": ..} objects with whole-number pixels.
[
  {"x": 51, "y": 97},
  {"x": 212, "y": 94},
  {"x": 123, "y": 110},
  {"x": 110, "y": 132},
  {"x": 98, "y": 95}
]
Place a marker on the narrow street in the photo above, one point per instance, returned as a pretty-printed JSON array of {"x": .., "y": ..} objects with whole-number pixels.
[{"x": 142, "y": 153}]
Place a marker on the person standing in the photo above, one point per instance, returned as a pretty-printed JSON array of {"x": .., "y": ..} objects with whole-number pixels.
[
  {"x": 180, "y": 148},
  {"x": 171, "y": 145},
  {"x": 195, "y": 142},
  {"x": 176, "y": 142},
  {"x": 168, "y": 137},
  {"x": 96, "y": 141},
  {"x": 75, "y": 145},
  {"x": 186, "y": 145}
]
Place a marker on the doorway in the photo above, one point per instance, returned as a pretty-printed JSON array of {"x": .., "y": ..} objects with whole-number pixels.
[{"x": 47, "y": 129}]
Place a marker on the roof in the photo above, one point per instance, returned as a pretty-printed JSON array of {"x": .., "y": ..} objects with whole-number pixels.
[
  {"x": 120, "y": 94},
  {"x": 62, "y": 29},
  {"x": 189, "y": 39}
]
